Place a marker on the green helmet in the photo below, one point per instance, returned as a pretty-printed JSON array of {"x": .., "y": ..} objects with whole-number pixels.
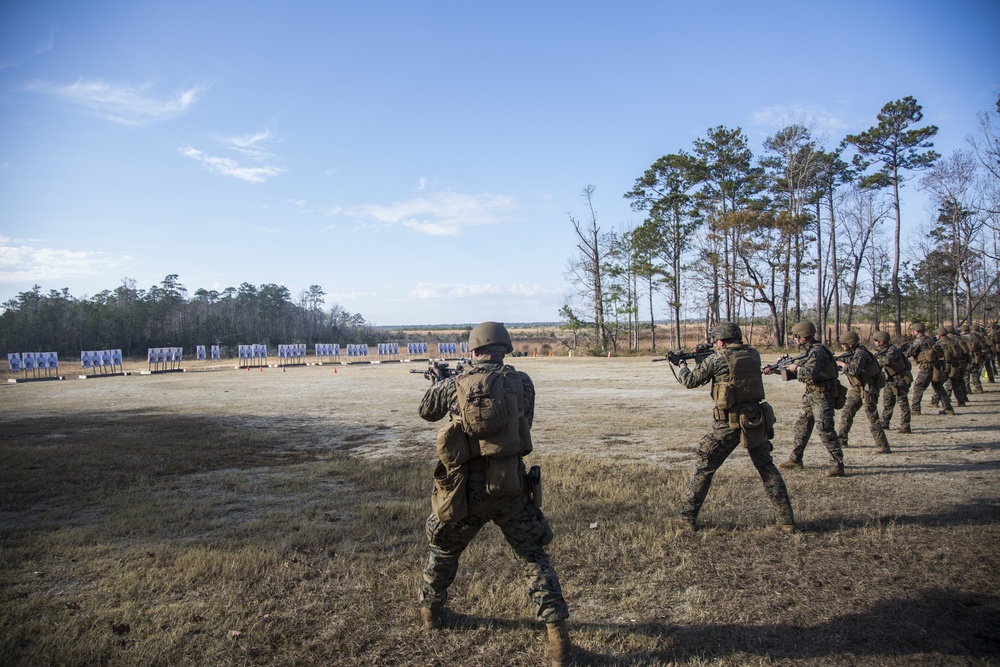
[
  {"x": 727, "y": 331},
  {"x": 490, "y": 333},
  {"x": 804, "y": 329},
  {"x": 918, "y": 326},
  {"x": 950, "y": 329},
  {"x": 942, "y": 331},
  {"x": 882, "y": 336},
  {"x": 849, "y": 338},
  {"x": 965, "y": 328}
]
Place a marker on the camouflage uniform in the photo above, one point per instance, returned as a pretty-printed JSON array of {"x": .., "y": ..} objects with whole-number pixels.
[
  {"x": 956, "y": 354},
  {"x": 924, "y": 346},
  {"x": 523, "y": 525},
  {"x": 897, "y": 386},
  {"x": 724, "y": 437},
  {"x": 861, "y": 393},
  {"x": 817, "y": 406},
  {"x": 993, "y": 339},
  {"x": 977, "y": 347}
]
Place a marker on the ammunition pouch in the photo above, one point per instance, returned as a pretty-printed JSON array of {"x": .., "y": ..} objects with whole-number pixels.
[
  {"x": 769, "y": 418},
  {"x": 838, "y": 392},
  {"x": 449, "y": 500},
  {"x": 752, "y": 425}
]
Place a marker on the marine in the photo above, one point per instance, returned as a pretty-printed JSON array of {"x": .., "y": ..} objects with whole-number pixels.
[
  {"x": 740, "y": 417},
  {"x": 818, "y": 372}
]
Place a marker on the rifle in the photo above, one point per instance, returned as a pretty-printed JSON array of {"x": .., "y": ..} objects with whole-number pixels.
[
  {"x": 440, "y": 370},
  {"x": 701, "y": 350},
  {"x": 782, "y": 364}
]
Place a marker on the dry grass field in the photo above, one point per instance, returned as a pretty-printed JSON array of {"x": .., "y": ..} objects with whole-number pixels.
[{"x": 275, "y": 517}]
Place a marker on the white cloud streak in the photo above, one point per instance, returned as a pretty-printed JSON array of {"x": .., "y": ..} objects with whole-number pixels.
[
  {"x": 779, "y": 116},
  {"x": 251, "y": 147},
  {"x": 28, "y": 263},
  {"x": 442, "y": 214},
  {"x": 121, "y": 103},
  {"x": 465, "y": 291}
]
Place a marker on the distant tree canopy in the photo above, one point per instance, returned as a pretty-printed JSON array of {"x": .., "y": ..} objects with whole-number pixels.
[
  {"x": 799, "y": 231},
  {"x": 164, "y": 315}
]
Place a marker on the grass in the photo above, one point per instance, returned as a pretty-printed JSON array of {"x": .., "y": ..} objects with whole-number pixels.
[{"x": 155, "y": 539}]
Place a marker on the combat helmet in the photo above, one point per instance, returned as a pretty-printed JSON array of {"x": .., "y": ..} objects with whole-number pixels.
[
  {"x": 727, "y": 331},
  {"x": 941, "y": 331},
  {"x": 849, "y": 338},
  {"x": 918, "y": 326},
  {"x": 804, "y": 329},
  {"x": 965, "y": 328},
  {"x": 881, "y": 337},
  {"x": 490, "y": 333}
]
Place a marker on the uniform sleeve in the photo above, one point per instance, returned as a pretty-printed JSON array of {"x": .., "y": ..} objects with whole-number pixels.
[
  {"x": 529, "y": 398},
  {"x": 702, "y": 373},
  {"x": 438, "y": 400}
]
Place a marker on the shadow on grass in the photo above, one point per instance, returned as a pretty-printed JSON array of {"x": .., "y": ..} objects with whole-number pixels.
[{"x": 930, "y": 626}]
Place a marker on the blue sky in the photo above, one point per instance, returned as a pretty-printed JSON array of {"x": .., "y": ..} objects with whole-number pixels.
[{"x": 417, "y": 159}]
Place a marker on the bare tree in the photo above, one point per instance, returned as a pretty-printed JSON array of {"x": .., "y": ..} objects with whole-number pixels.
[
  {"x": 585, "y": 270},
  {"x": 864, "y": 211}
]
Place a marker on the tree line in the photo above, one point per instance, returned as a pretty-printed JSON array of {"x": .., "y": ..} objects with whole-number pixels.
[
  {"x": 135, "y": 319},
  {"x": 805, "y": 228}
]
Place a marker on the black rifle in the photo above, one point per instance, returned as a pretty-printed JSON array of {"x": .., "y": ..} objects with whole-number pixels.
[
  {"x": 440, "y": 370},
  {"x": 903, "y": 349},
  {"x": 782, "y": 364},
  {"x": 701, "y": 350}
]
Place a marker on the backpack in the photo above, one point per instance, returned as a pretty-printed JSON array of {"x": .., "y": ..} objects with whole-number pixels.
[
  {"x": 482, "y": 403},
  {"x": 491, "y": 411}
]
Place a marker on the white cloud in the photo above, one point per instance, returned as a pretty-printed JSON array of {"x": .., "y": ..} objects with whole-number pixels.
[
  {"x": 442, "y": 214},
  {"x": 228, "y": 167},
  {"x": 252, "y": 147},
  {"x": 28, "y": 263},
  {"x": 466, "y": 291},
  {"x": 779, "y": 116},
  {"x": 121, "y": 103}
]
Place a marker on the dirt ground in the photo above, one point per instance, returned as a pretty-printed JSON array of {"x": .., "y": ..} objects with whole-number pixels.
[{"x": 628, "y": 408}]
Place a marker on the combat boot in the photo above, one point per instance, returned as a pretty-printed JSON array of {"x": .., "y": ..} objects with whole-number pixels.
[
  {"x": 559, "y": 646},
  {"x": 791, "y": 465},
  {"x": 430, "y": 617},
  {"x": 843, "y": 442},
  {"x": 884, "y": 449},
  {"x": 786, "y": 527},
  {"x": 836, "y": 470},
  {"x": 905, "y": 428},
  {"x": 949, "y": 411}
]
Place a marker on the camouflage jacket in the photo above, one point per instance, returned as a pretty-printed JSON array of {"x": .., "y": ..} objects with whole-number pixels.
[
  {"x": 810, "y": 371},
  {"x": 921, "y": 344},
  {"x": 859, "y": 365},
  {"x": 441, "y": 399}
]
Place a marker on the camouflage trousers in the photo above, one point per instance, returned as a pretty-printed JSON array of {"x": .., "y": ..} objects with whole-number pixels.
[
  {"x": 973, "y": 382},
  {"x": 713, "y": 450},
  {"x": 857, "y": 398},
  {"x": 526, "y": 530},
  {"x": 818, "y": 412},
  {"x": 920, "y": 384},
  {"x": 891, "y": 395},
  {"x": 954, "y": 387}
]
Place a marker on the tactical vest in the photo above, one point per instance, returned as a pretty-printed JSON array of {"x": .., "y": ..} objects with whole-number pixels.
[
  {"x": 895, "y": 363},
  {"x": 923, "y": 350},
  {"x": 745, "y": 384},
  {"x": 826, "y": 366}
]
